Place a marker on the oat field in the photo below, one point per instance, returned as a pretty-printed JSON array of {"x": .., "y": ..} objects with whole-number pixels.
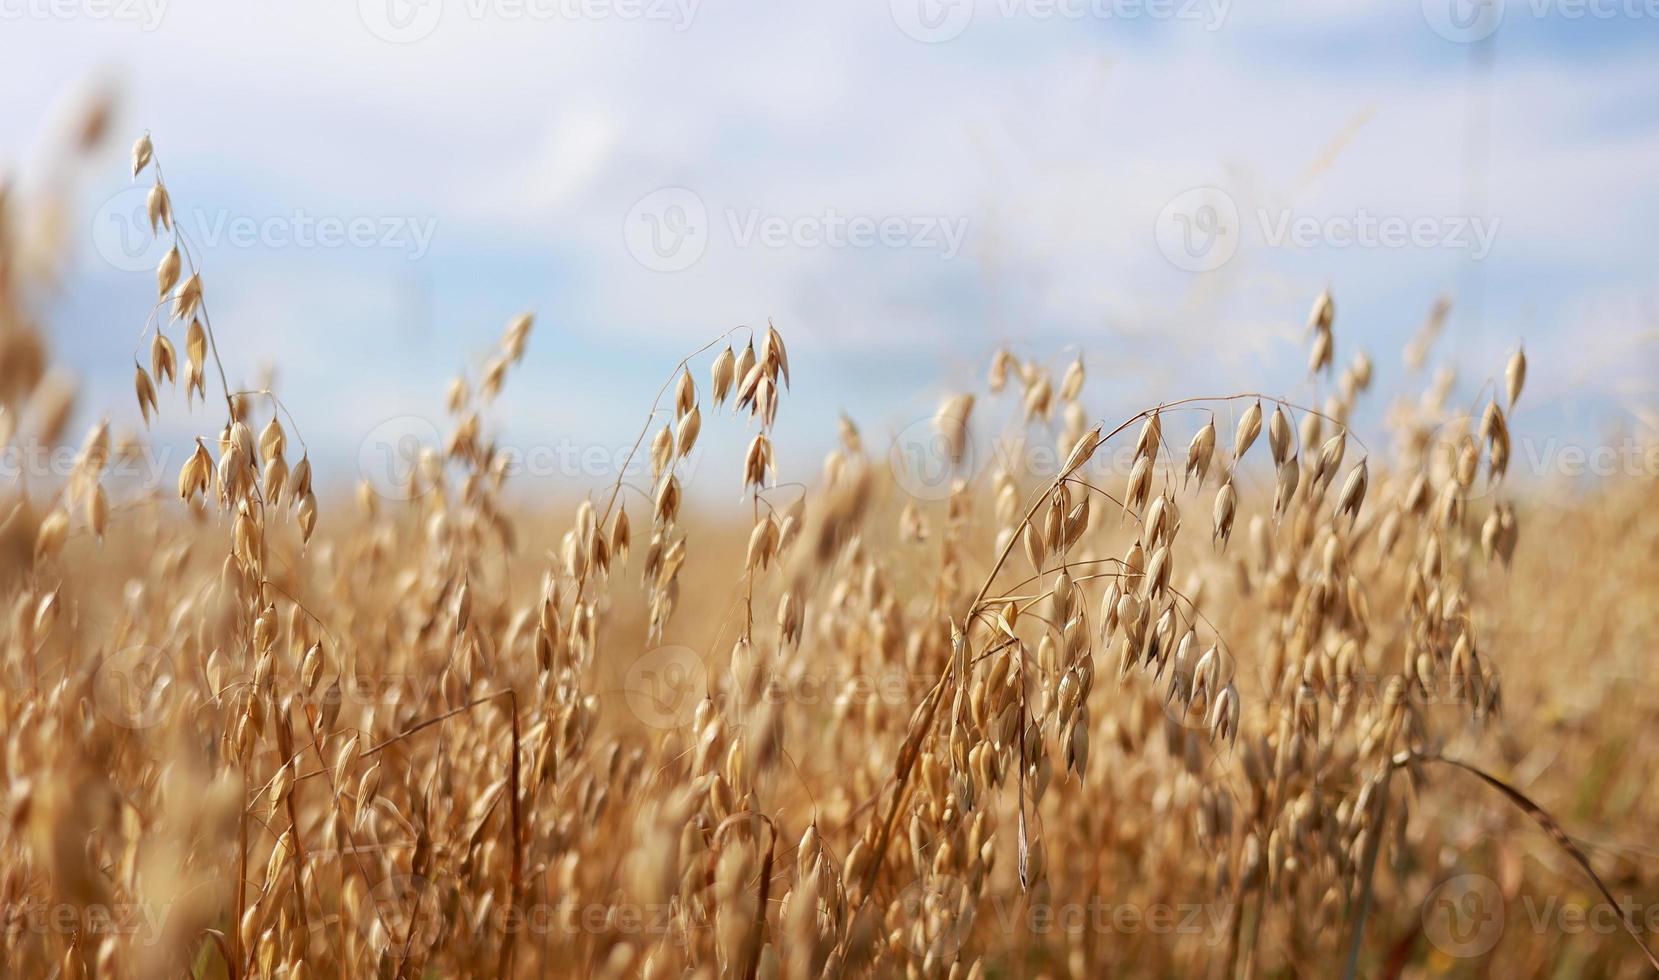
[{"x": 1220, "y": 689}]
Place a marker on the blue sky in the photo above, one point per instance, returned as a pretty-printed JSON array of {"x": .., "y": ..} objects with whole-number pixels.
[{"x": 542, "y": 143}]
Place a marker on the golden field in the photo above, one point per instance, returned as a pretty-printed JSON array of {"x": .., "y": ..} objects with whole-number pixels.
[{"x": 1221, "y": 689}]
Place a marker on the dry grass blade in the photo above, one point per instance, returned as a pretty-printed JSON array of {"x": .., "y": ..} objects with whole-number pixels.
[{"x": 1552, "y": 827}]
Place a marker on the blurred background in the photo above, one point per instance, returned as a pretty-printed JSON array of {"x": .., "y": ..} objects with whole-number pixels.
[{"x": 375, "y": 187}]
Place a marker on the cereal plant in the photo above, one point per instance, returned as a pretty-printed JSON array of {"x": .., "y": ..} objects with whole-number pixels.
[{"x": 1225, "y": 688}]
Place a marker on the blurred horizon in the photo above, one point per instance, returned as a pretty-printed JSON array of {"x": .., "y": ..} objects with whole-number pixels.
[{"x": 376, "y": 188}]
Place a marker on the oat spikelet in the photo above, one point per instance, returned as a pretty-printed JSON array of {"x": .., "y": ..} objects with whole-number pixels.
[
  {"x": 159, "y": 208},
  {"x": 685, "y": 393},
  {"x": 1086, "y": 444},
  {"x": 1322, "y": 314},
  {"x": 1249, "y": 427},
  {"x": 997, "y": 377},
  {"x": 188, "y": 298},
  {"x": 195, "y": 355},
  {"x": 1278, "y": 435},
  {"x": 721, "y": 374},
  {"x": 1290, "y": 475},
  {"x": 518, "y": 334},
  {"x": 52, "y": 533},
  {"x": 1226, "y": 506},
  {"x": 1515, "y": 375},
  {"x": 1200, "y": 451},
  {"x": 142, "y": 153},
  {"x": 1353, "y": 490},
  {"x": 163, "y": 359},
  {"x": 146, "y": 391},
  {"x": 951, "y": 423},
  {"x": 686, "y": 430},
  {"x": 1072, "y": 384},
  {"x": 308, "y": 515},
  {"x": 621, "y": 534},
  {"x": 167, "y": 272},
  {"x": 772, "y": 350}
]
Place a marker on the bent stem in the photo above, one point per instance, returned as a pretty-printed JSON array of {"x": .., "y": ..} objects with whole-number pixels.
[{"x": 1550, "y": 825}]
